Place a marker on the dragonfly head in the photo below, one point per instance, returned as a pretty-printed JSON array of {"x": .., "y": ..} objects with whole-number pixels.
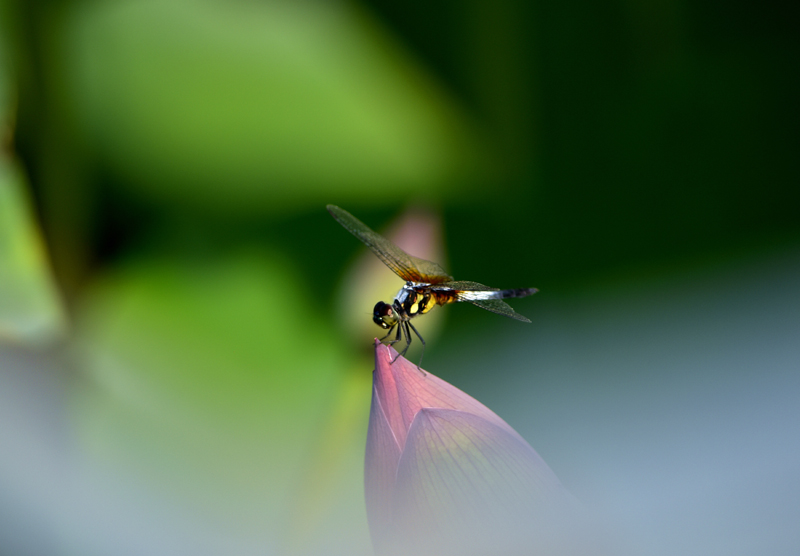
[{"x": 383, "y": 315}]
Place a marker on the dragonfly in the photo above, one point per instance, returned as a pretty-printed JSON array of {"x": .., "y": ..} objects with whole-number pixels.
[{"x": 427, "y": 285}]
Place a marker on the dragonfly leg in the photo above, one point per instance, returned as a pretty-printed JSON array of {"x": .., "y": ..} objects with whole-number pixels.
[
  {"x": 397, "y": 338},
  {"x": 423, "y": 346},
  {"x": 407, "y": 336}
]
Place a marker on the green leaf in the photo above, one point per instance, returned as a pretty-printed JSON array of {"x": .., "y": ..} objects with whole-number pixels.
[
  {"x": 260, "y": 106},
  {"x": 30, "y": 308},
  {"x": 214, "y": 379}
]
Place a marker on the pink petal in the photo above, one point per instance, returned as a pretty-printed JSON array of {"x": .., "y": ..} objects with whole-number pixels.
[
  {"x": 403, "y": 390},
  {"x": 465, "y": 485},
  {"x": 380, "y": 469},
  {"x": 445, "y": 475}
]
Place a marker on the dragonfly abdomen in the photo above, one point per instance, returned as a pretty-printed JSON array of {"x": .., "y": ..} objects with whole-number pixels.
[{"x": 518, "y": 292}]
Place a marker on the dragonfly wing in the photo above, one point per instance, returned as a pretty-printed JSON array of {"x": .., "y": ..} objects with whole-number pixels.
[
  {"x": 482, "y": 296},
  {"x": 466, "y": 287},
  {"x": 427, "y": 271},
  {"x": 407, "y": 267},
  {"x": 499, "y": 307}
]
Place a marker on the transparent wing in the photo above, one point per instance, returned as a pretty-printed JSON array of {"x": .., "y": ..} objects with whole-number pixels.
[
  {"x": 464, "y": 287},
  {"x": 482, "y": 296},
  {"x": 406, "y": 266},
  {"x": 499, "y": 307}
]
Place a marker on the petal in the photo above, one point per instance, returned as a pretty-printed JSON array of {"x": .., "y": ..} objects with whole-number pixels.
[
  {"x": 403, "y": 390},
  {"x": 457, "y": 478},
  {"x": 380, "y": 468},
  {"x": 466, "y": 485}
]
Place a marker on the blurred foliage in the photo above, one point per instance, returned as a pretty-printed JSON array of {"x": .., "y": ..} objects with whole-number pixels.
[
  {"x": 642, "y": 132},
  {"x": 254, "y": 107},
  {"x": 200, "y": 369},
  {"x": 180, "y": 154},
  {"x": 609, "y": 135},
  {"x": 30, "y": 310}
]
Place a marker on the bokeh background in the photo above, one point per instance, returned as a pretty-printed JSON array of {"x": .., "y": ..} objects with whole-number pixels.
[{"x": 185, "y": 332}]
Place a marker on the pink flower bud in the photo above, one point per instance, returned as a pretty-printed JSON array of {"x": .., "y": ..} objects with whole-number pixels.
[{"x": 445, "y": 475}]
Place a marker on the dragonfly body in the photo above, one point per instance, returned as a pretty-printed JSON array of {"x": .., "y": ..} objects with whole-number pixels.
[
  {"x": 427, "y": 285},
  {"x": 415, "y": 298}
]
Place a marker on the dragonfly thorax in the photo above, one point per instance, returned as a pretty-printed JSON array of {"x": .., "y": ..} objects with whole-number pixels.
[{"x": 413, "y": 299}]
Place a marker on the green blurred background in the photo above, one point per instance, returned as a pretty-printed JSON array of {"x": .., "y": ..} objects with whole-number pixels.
[{"x": 179, "y": 369}]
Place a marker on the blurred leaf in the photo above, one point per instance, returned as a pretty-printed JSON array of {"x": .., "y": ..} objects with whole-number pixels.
[
  {"x": 214, "y": 378},
  {"x": 30, "y": 308},
  {"x": 329, "y": 507},
  {"x": 259, "y": 106},
  {"x": 5, "y": 81}
]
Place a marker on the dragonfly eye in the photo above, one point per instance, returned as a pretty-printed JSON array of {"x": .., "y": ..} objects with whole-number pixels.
[{"x": 383, "y": 315}]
